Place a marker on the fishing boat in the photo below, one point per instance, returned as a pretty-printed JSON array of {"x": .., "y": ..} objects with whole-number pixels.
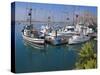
[
  {"x": 68, "y": 31},
  {"x": 81, "y": 27},
  {"x": 30, "y": 34},
  {"x": 81, "y": 35},
  {"x": 55, "y": 39}
]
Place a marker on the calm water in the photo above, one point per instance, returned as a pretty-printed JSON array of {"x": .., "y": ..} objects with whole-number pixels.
[{"x": 29, "y": 59}]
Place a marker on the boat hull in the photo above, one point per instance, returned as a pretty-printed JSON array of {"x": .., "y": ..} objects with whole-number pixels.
[
  {"x": 78, "y": 40},
  {"x": 37, "y": 46},
  {"x": 34, "y": 40}
]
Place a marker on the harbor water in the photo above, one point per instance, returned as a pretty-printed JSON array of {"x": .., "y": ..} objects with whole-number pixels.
[{"x": 50, "y": 58}]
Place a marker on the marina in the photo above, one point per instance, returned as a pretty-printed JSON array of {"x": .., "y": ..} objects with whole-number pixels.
[
  {"x": 33, "y": 57},
  {"x": 70, "y": 34},
  {"x": 52, "y": 37}
]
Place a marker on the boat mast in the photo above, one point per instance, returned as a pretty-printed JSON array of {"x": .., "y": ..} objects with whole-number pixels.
[
  {"x": 49, "y": 20},
  {"x": 73, "y": 15},
  {"x": 30, "y": 19},
  {"x": 30, "y": 15}
]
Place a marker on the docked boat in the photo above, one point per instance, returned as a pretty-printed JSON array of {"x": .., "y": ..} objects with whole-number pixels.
[
  {"x": 80, "y": 27},
  {"x": 55, "y": 39},
  {"x": 78, "y": 39},
  {"x": 82, "y": 35},
  {"x": 67, "y": 31},
  {"x": 38, "y": 41},
  {"x": 30, "y": 34}
]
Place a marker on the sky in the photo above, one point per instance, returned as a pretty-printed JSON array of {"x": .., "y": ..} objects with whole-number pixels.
[{"x": 57, "y": 12}]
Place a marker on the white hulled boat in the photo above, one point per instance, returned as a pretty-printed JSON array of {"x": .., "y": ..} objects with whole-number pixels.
[
  {"x": 75, "y": 39},
  {"x": 81, "y": 36},
  {"x": 30, "y": 34},
  {"x": 67, "y": 31}
]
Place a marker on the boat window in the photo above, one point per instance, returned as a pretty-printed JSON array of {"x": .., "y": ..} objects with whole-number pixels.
[{"x": 71, "y": 29}]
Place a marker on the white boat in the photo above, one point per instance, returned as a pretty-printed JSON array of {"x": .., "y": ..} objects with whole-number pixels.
[
  {"x": 80, "y": 27},
  {"x": 45, "y": 30},
  {"x": 30, "y": 34},
  {"x": 83, "y": 32},
  {"x": 75, "y": 39},
  {"x": 70, "y": 30},
  {"x": 67, "y": 31}
]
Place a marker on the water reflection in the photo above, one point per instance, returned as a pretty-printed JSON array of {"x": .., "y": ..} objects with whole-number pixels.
[{"x": 34, "y": 47}]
